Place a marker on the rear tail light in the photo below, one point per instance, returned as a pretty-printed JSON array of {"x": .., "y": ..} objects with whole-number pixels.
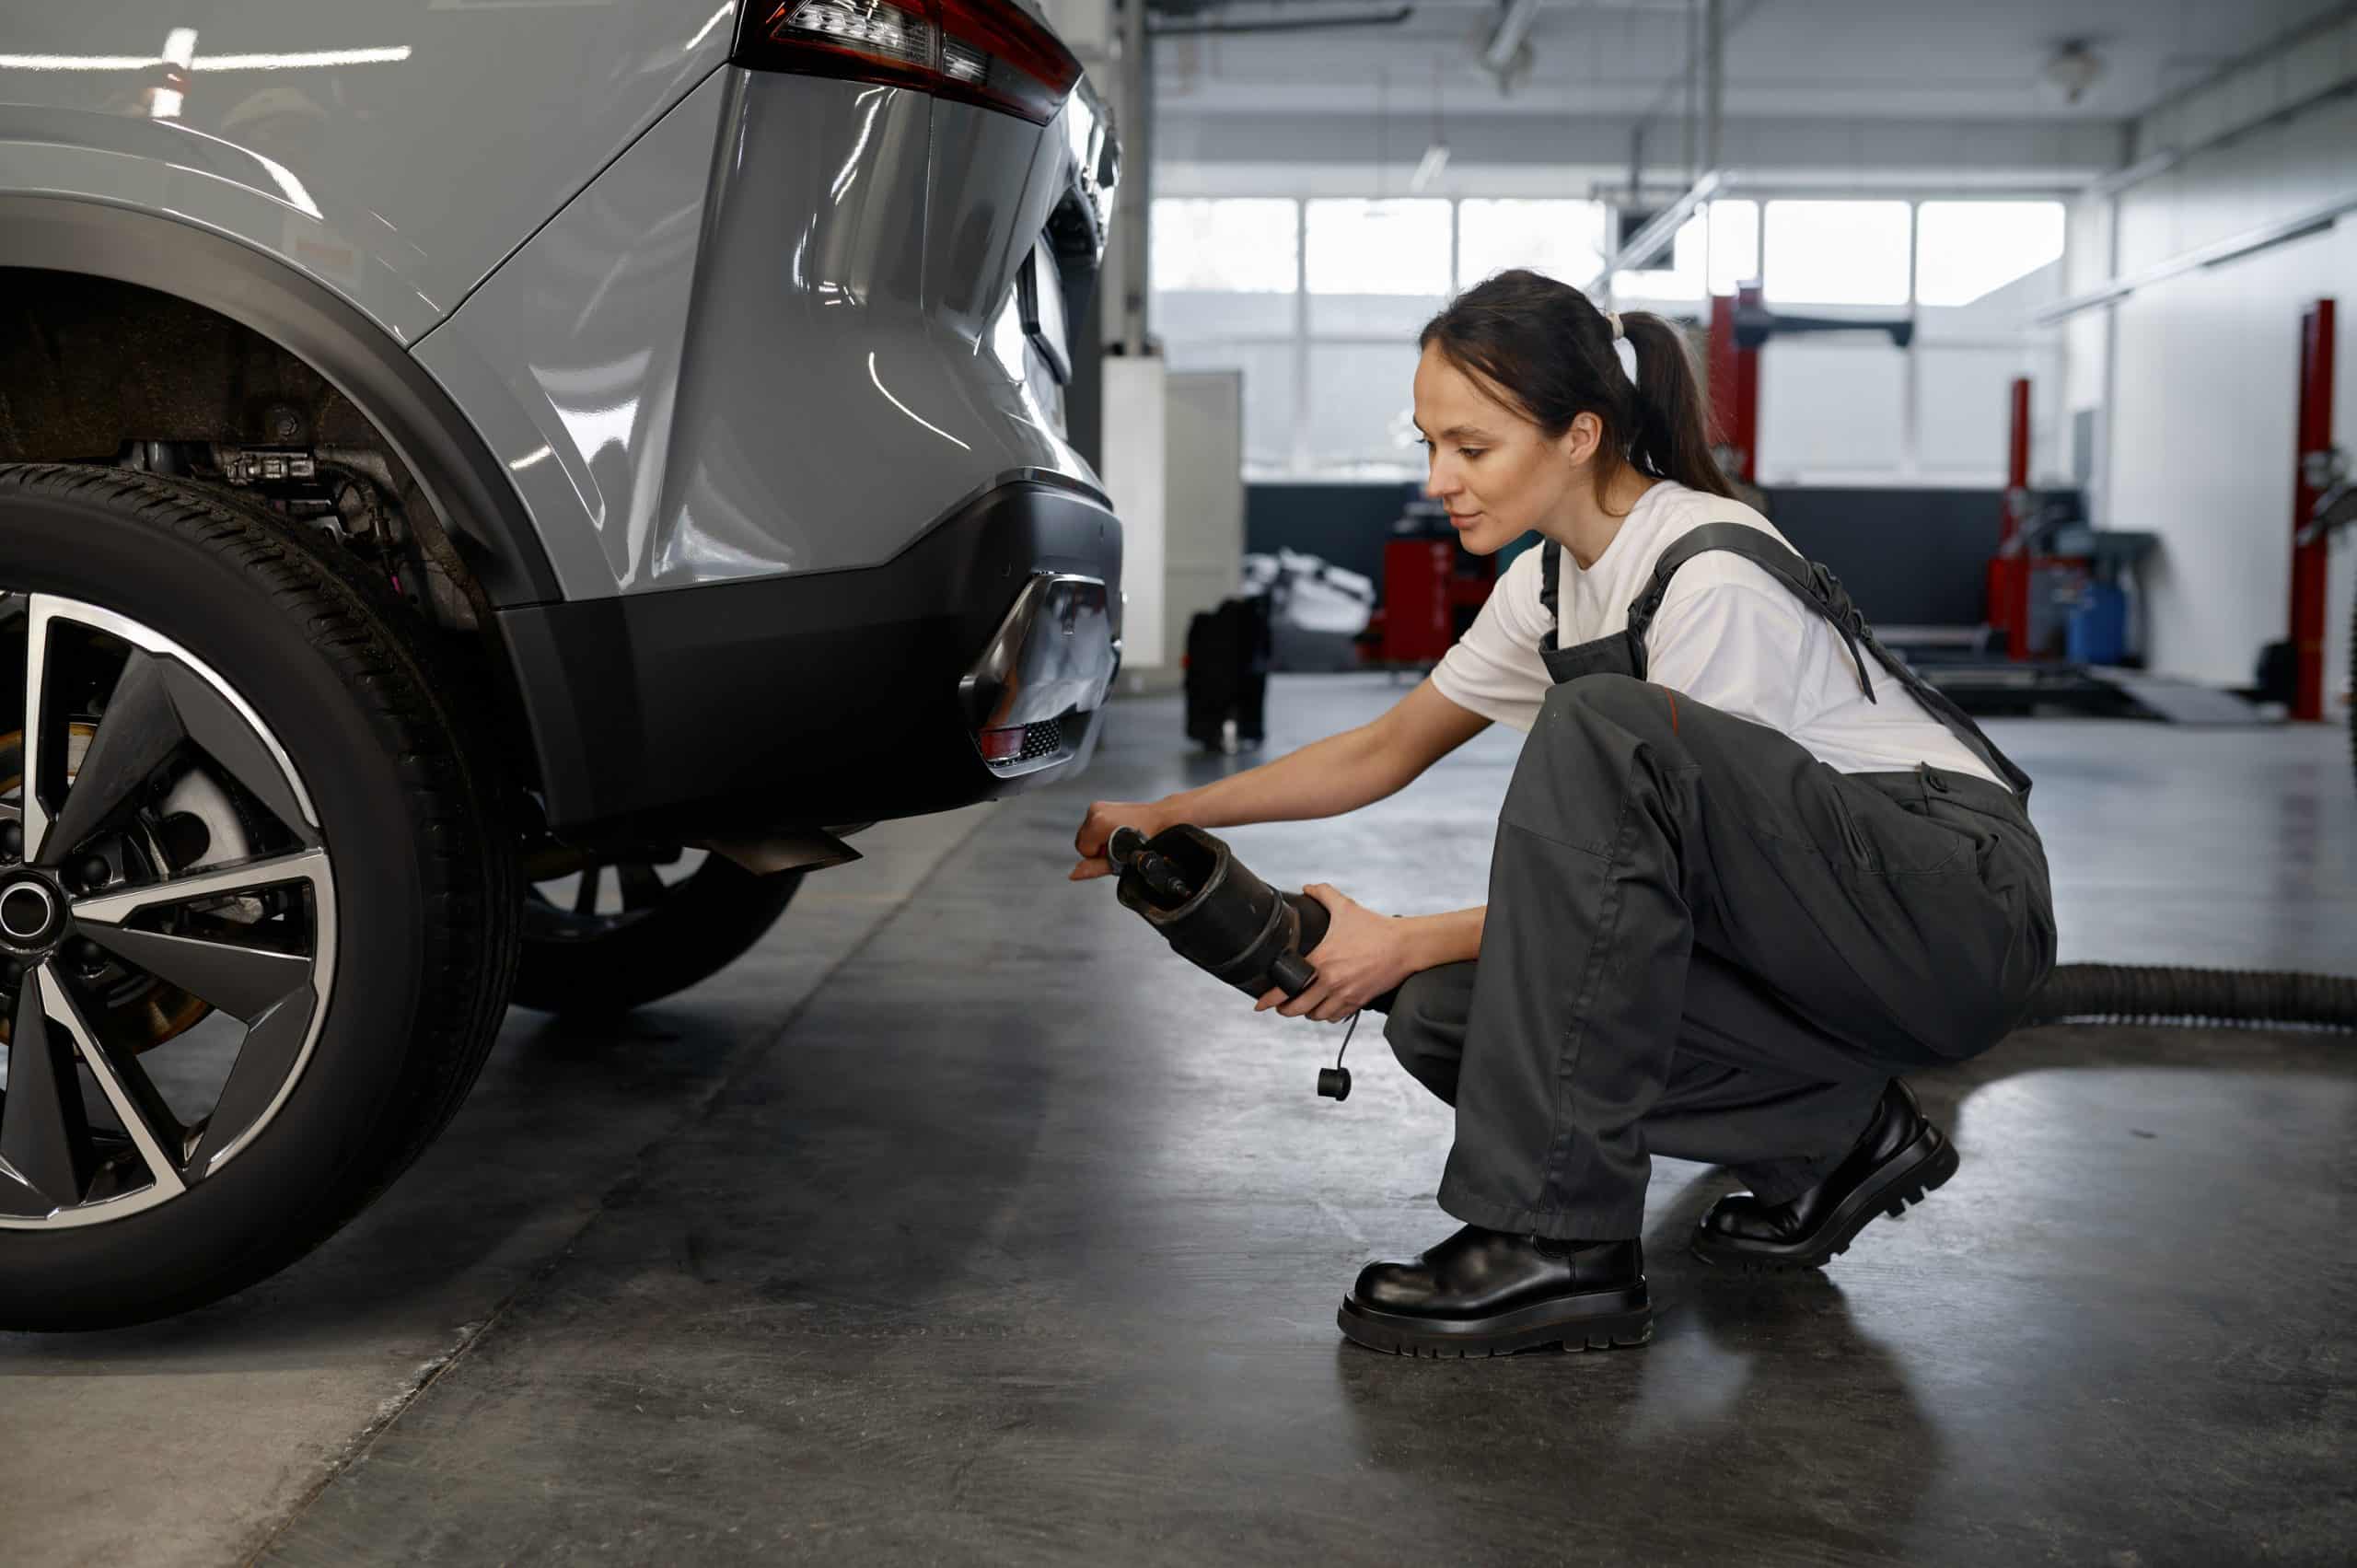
[{"x": 984, "y": 51}]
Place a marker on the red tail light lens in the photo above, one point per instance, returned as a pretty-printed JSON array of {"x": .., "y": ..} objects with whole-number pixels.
[{"x": 986, "y": 51}]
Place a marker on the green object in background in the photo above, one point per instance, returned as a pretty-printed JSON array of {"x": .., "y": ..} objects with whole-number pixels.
[{"x": 1505, "y": 557}]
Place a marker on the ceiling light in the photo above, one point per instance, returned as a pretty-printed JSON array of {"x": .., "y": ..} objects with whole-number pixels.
[{"x": 2072, "y": 71}]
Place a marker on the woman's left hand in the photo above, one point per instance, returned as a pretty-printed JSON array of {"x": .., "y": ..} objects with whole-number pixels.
[{"x": 1362, "y": 955}]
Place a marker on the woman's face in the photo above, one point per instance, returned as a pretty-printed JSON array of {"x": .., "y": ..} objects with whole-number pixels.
[{"x": 1491, "y": 466}]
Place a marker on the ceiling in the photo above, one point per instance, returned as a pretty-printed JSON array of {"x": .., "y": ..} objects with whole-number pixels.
[{"x": 1818, "y": 60}]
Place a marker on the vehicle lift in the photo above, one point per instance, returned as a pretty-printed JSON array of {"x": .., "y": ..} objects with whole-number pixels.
[{"x": 2009, "y": 663}]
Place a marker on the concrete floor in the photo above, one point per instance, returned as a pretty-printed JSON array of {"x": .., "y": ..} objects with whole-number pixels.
[{"x": 961, "y": 1224}]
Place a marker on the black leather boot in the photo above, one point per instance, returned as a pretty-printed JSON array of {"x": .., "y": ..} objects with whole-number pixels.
[
  {"x": 1902, "y": 1157},
  {"x": 1492, "y": 1293}
]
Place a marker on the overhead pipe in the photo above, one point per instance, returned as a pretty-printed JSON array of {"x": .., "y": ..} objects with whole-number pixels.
[
  {"x": 2162, "y": 159},
  {"x": 2234, "y": 247},
  {"x": 1286, "y": 24},
  {"x": 1666, "y": 223},
  {"x": 1513, "y": 29},
  {"x": 1134, "y": 195},
  {"x": 1663, "y": 225},
  {"x": 1715, "y": 78}
]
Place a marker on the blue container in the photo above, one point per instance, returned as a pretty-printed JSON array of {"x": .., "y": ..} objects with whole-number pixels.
[{"x": 2097, "y": 633}]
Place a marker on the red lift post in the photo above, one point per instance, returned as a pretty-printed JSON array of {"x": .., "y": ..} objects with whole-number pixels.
[
  {"x": 1735, "y": 383},
  {"x": 2009, "y": 568},
  {"x": 2309, "y": 477}
]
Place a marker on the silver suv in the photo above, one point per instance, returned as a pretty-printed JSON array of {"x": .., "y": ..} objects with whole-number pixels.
[{"x": 455, "y": 458}]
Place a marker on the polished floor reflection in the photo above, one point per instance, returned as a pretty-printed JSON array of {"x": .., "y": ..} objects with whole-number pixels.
[{"x": 961, "y": 1223}]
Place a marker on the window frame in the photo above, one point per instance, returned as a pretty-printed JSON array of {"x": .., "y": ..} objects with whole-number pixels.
[{"x": 2034, "y": 342}]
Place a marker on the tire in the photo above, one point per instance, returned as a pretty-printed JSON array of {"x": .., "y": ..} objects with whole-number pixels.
[
  {"x": 586, "y": 963},
  {"x": 409, "y": 929}
]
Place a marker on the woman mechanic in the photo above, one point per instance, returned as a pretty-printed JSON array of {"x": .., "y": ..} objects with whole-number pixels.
[{"x": 1748, "y": 870}]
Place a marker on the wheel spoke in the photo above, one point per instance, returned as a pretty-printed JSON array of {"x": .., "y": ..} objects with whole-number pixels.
[
  {"x": 241, "y": 980},
  {"x": 220, "y": 724},
  {"x": 585, "y": 898},
  {"x": 18, "y": 1199},
  {"x": 140, "y": 729},
  {"x": 155, "y": 1132},
  {"x": 35, "y": 809},
  {"x": 223, "y": 734},
  {"x": 44, "y": 1132},
  {"x": 641, "y": 887},
  {"x": 268, "y": 1054},
  {"x": 113, "y": 909}
]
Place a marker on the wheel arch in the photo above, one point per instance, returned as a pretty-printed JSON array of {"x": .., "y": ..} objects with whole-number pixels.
[{"x": 472, "y": 505}]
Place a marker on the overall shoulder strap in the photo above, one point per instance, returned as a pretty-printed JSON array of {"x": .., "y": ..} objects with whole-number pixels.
[
  {"x": 1817, "y": 587},
  {"x": 1808, "y": 581},
  {"x": 1550, "y": 576}
]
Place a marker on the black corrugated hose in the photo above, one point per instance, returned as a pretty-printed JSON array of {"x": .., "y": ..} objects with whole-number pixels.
[{"x": 2116, "y": 994}]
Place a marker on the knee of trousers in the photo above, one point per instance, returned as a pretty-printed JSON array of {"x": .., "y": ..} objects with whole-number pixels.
[{"x": 1416, "y": 1030}]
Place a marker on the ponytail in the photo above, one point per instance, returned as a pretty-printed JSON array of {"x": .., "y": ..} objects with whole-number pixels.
[
  {"x": 1546, "y": 345},
  {"x": 1673, "y": 438}
]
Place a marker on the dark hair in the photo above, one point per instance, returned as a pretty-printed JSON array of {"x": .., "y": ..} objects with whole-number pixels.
[{"x": 1548, "y": 349}]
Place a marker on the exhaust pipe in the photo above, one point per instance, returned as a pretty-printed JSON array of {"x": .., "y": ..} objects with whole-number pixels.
[{"x": 804, "y": 849}]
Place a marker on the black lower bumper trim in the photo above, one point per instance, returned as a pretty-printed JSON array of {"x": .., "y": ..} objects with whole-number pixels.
[{"x": 804, "y": 700}]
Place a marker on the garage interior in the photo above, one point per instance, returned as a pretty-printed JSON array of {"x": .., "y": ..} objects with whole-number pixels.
[{"x": 925, "y": 1233}]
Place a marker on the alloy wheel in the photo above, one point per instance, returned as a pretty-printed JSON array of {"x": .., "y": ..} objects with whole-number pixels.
[{"x": 168, "y": 919}]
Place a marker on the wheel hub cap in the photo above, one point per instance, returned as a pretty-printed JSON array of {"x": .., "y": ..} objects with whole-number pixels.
[{"x": 29, "y": 912}]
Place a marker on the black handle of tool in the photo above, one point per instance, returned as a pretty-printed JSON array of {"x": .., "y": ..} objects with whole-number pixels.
[
  {"x": 1292, "y": 970},
  {"x": 1314, "y": 921}
]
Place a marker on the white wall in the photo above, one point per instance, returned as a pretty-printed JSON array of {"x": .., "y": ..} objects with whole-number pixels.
[
  {"x": 1203, "y": 509},
  {"x": 1136, "y": 470},
  {"x": 2203, "y": 420}
]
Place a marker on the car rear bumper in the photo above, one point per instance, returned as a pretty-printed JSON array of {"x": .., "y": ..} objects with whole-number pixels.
[{"x": 819, "y": 699}]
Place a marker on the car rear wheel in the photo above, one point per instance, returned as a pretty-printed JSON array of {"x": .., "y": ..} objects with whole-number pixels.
[
  {"x": 257, "y": 912},
  {"x": 622, "y": 934}
]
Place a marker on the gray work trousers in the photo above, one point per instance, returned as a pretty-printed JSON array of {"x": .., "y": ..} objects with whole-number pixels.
[{"x": 1704, "y": 943}]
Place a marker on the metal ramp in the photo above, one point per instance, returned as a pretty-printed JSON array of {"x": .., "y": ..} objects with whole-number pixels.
[
  {"x": 1959, "y": 662},
  {"x": 2180, "y": 702},
  {"x": 2009, "y": 690}
]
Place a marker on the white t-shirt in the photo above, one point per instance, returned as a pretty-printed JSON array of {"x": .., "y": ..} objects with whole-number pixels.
[{"x": 1727, "y": 635}]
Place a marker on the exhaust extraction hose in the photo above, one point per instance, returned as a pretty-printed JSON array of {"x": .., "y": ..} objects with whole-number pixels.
[{"x": 2114, "y": 993}]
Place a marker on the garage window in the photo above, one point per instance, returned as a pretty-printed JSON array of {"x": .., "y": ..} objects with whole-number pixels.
[
  {"x": 1229, "y": 245},
  {"x": 1378, "y": 247},
  {"x": 1319, "y": 301},
  {"x": 1837, "y": 252},
  {"x": 1562, "y": 239},
  {"x": 1964, "y": 251}
]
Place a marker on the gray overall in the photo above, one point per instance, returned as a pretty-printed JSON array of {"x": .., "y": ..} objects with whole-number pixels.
[{"x": 1703, "y": 942}]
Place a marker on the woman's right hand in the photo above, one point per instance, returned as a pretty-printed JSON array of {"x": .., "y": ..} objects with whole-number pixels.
[{"x": 1104, "y": 816}]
